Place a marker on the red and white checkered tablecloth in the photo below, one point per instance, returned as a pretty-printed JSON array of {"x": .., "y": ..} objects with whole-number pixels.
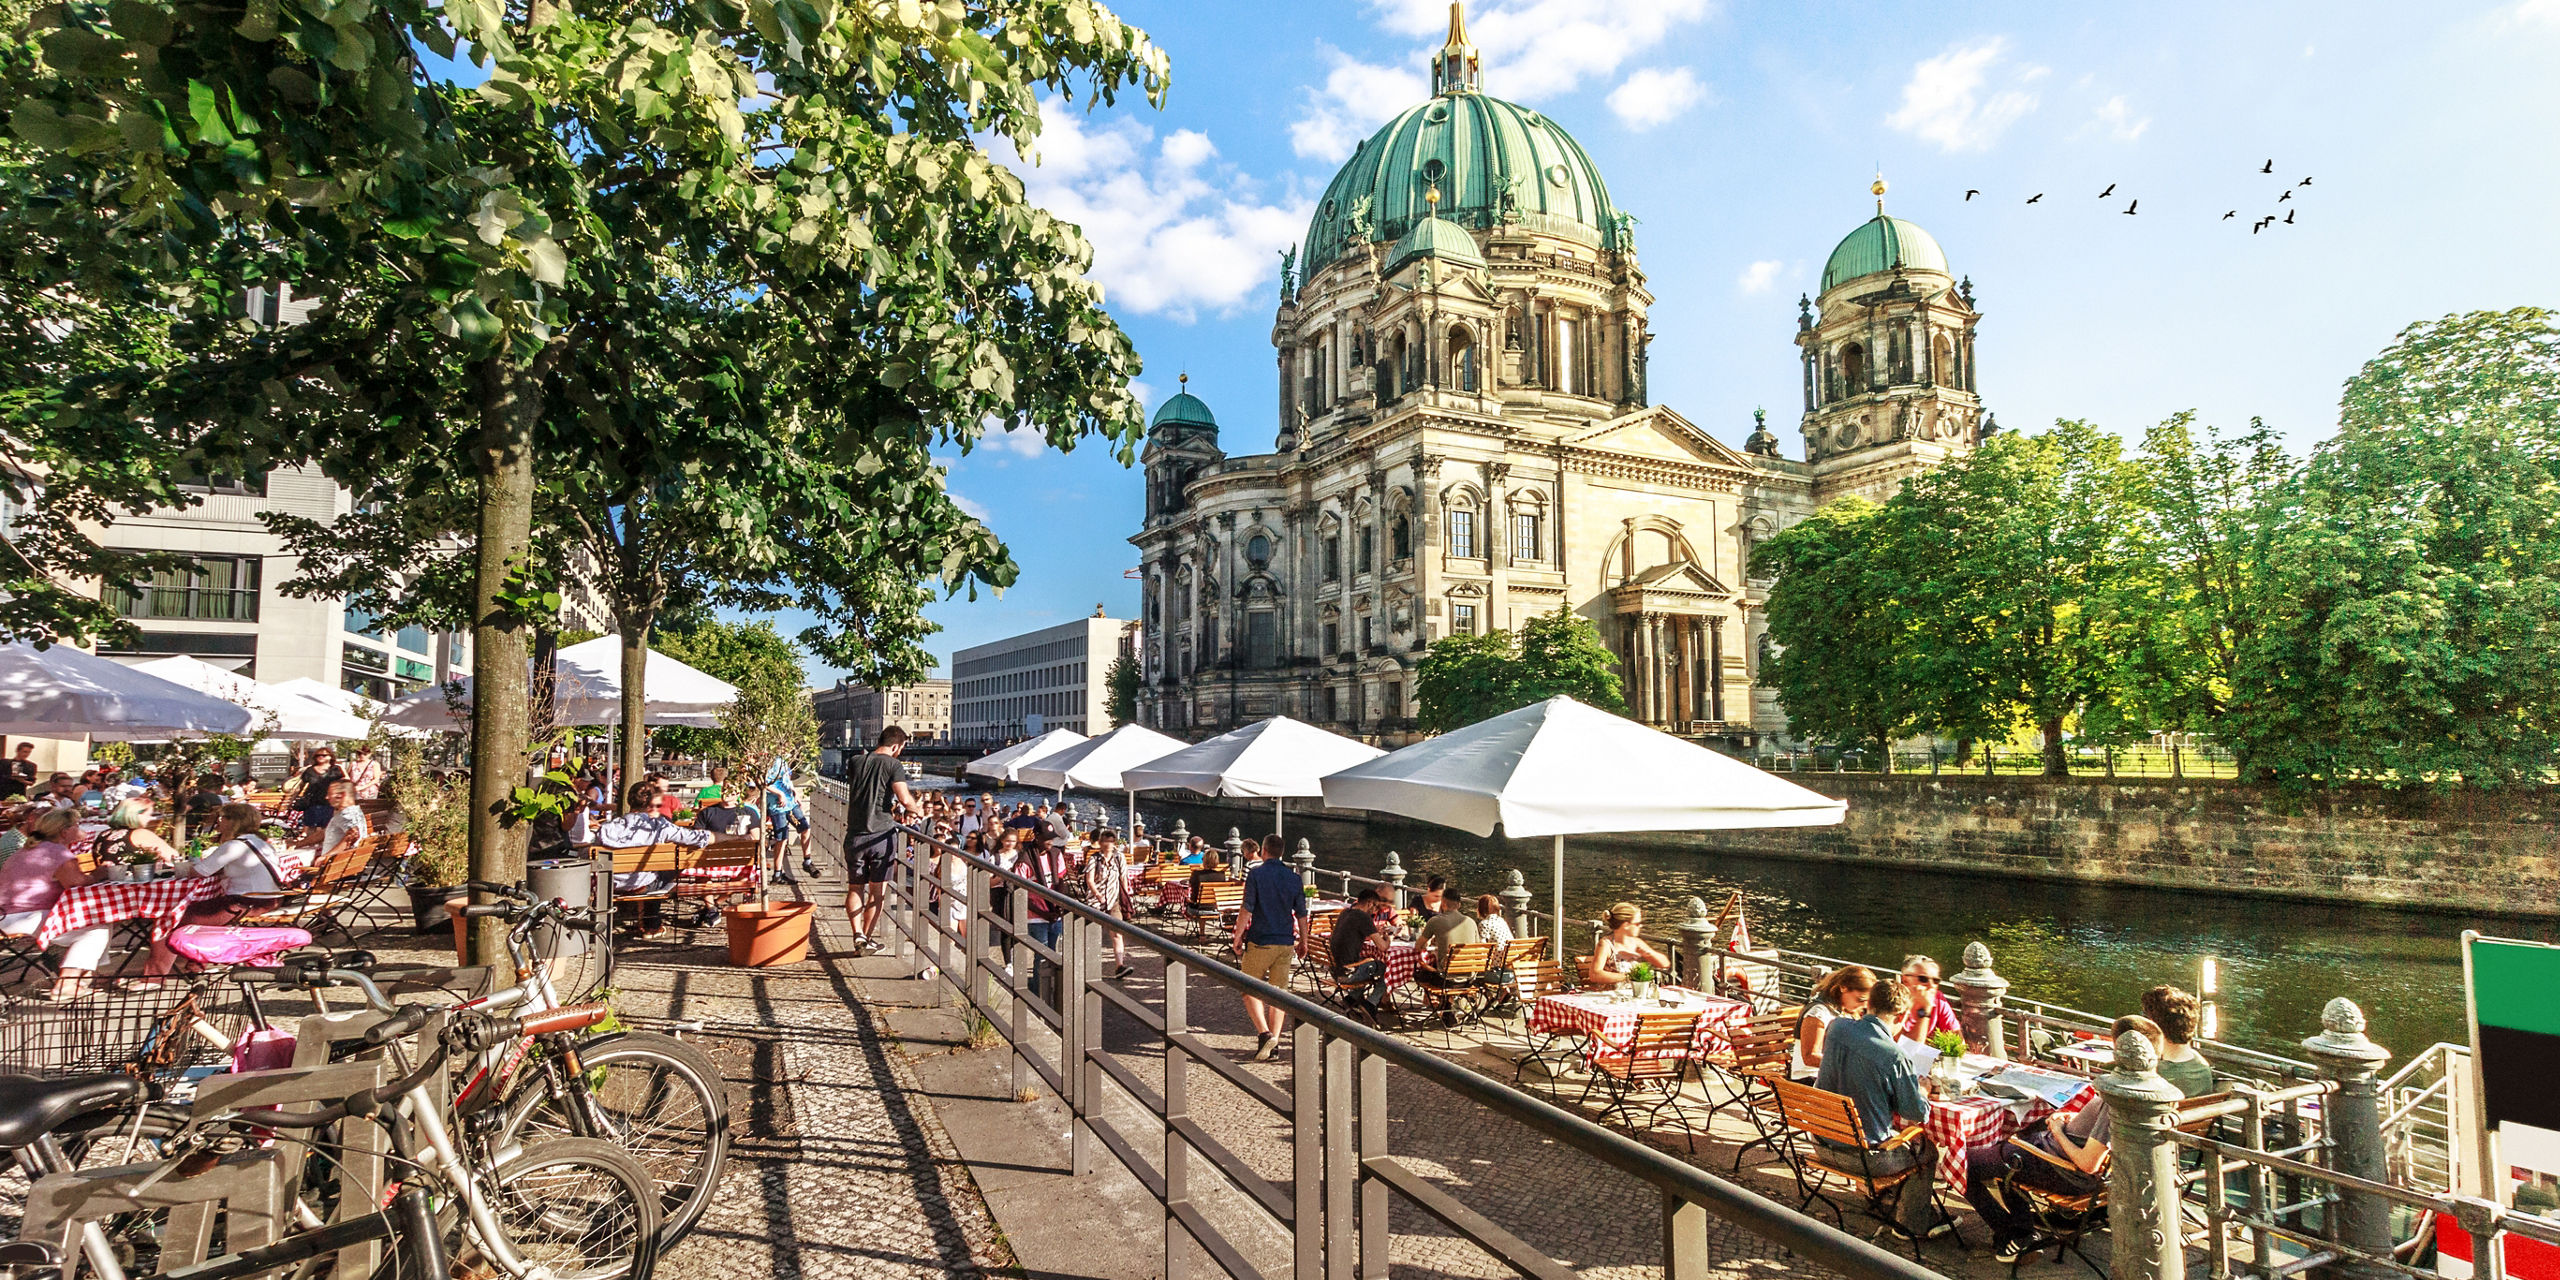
[
  {"x": 721, "y": 875},
  {"x": 163, "y": 902},
  {"x": 1609, "y": 1022},
  {"x": 1966, "y": 1125}
]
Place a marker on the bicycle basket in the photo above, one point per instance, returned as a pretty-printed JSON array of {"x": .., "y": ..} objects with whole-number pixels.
[{"x": 148, "y": 1031}]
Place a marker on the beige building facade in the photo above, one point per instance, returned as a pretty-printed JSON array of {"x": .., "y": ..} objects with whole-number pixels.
[{"x": 1467, "y": 439}]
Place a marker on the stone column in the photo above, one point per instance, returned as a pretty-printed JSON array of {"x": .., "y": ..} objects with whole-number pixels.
[
  {"x": 1393, "y": 874},
  {"x": 1697, "y": 933},
  {"x": 2353, "y": 1115},
  {"x": 1303, "y": 861},
  {"x": 1715, "y": 670},
  {"x": 1515, "y": 903},
  {"x": 2142, "y": 1183},
  {"x": 1497, "y": 547},
  {"x": 1979, "y": 995},
  {"x": 1235, "y": 847}
]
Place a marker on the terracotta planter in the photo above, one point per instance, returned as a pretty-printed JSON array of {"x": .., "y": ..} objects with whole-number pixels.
[
  {"x": 461, "y": 930},
  {"x": 765, "y": 934}
]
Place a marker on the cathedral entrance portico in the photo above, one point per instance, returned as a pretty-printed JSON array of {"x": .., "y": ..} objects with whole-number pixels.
[{"x": 1671, "y": 626}]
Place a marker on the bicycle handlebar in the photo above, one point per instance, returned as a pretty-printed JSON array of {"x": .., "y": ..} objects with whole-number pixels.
[{"x": 496, "y": 890}]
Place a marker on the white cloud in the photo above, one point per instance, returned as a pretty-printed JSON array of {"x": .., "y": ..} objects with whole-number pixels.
[
  {"x": 1759, "y": 276},
  {"x": 2118, "y": 120},
  {"x": 1174, "y": 231},
  {"x": 1015, "y": 440},
  {"x": 1944, "y": 102},
  {"x": 1146, "y": 392},
  {"x": 970, "y": 507},
  {"x": 2537, "y": 13},
  {"x": 1655, "y": 96},
  {"x": 1532, "y": 50}
]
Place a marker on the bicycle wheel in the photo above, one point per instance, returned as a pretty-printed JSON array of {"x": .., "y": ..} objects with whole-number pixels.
[
  {"x": 654, "y": 1096},
  {"x": 578, "y": 1208}
]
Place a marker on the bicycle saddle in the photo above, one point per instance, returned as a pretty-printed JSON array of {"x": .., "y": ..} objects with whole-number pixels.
[{"x": 32, "y": 1106}]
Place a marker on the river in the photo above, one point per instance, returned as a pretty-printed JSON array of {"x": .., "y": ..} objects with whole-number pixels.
[{"x": 2092, "y": 947}]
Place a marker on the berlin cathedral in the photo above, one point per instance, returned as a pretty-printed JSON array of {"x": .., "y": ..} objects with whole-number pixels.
[{"x": 1466, "y": 440}]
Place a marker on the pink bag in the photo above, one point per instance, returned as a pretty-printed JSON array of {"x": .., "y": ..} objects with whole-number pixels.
[
  {"x": 263, "y": 1049},
  {"x": 236, "y": 944}
]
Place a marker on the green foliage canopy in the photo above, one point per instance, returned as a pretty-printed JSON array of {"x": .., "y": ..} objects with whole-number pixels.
[{"x": 1467, "y": 678}]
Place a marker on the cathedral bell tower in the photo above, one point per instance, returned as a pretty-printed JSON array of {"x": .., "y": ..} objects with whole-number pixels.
[{"x": 1888, "y": 361}]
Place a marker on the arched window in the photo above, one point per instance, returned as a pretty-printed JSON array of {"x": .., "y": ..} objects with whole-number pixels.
[
  {"x": 1400, "y": 537},
  {"x": 1257, "y": 551},
  {"x": 1942, "y": 366},
  {"x": 1462, "y": 358},
  {"x": 1853, "y": 368},
  {"x": 1392, "y": 381},
  {"x": 1412, "y": 353}
]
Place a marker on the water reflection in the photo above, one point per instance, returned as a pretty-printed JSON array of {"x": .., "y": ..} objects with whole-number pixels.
[{"x": 2088, "y": 946}]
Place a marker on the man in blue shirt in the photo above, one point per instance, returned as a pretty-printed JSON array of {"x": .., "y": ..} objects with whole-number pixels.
[
  {"x": 1275, "y": 905},
  {"x": 1860, "y": 1059}
]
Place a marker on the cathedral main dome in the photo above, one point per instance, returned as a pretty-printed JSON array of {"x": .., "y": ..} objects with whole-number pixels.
[{"x": 1491, "y": 160}]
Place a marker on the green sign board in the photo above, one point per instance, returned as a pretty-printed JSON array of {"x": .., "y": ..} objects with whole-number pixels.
[{"x": 2514, "y": 990}]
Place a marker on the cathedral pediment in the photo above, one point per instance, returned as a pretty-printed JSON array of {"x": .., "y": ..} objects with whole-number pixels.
[
  {"x": 1679, "y": 581},
  {"x": 1658, "y": 433}
]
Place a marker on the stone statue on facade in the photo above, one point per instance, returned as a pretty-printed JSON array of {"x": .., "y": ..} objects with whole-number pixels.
[
  {"x": 1763, "y": 441},
  {"x": 1289, "y": 274},
  {"x": 1359, "y": 223},
  {"x": 1506, "y": 198},
  {"x": 1804, "y": 312}
]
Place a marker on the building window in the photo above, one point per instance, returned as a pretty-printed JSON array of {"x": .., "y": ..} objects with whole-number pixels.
[
  {"x": 1257, "y": 551},
  {"x": 1400, "y": 538},
  {"x": 414, "y": 639},
  {"x": 1524, "y": 535},
  {"x": 364, "y": 624},
  {"x": 1332, "y": 555},
  {"x": 1368, "y": 634},
  {"x": 1462, "y": 358},
  {"x": 211, "y": 589},
  {"x": 1462, "y": 534},
  {"x": 1367, "y": 542},
  {"x": 1462, "y": 619},
  {"x": 1328, "y": 704},
  {"x": 1391, "y": 700},
  {"x": 1332, "y": 638},
  {"x": 1261, "y": 640},
  {"x": 1568, "y": 378}
]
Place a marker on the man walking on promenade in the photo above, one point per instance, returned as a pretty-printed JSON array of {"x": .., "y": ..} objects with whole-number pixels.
[
  {"x": 1275, "y": 906},
  {"x": 879, "y": 801}
]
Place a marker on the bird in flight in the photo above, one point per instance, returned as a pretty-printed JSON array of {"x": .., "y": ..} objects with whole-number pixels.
[
  {"x": 2288, "y": 217},
  {"x": 2229, "y": 216},
  {"x": 2033, "y": 198},
  {"x": 2271, "y": 167},
  {"x": 2128, "y": 209},
  {"x": 2261, "y": 224},
  {"x": 2304, "y": 183},
  {"x": 2282, "y": 198},
  {"x": 2111, "y": 190},
  {"x": 1971, "y": 194}
]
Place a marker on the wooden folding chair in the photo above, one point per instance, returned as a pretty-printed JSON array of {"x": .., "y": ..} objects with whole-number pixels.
[
  {"x": 1213, "y": 903},
  {"x": 1757, "y": 1054},
  {"x": 1655, "y": 1062},
  {"x": 1315, "y": 955},
  {"x": 1456, "y": 997},
  {"x": 331, "y": 888},
  {"x": 2063, "y": 1217},
  {"x": 1838, "y": 1152}
]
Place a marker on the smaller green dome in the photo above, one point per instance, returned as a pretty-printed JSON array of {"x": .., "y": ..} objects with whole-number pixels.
[
  {"x": 1881, "y": 245},
  {"x": 1436, "y": 238},
  {"x": 1185, "y": 409}
]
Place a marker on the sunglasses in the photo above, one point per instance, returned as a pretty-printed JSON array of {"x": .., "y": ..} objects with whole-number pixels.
[{"x": 1920, "y": 979}]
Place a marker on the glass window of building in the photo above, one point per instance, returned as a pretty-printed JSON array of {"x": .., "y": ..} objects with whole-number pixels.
[{"x": 1462, "y": 533}]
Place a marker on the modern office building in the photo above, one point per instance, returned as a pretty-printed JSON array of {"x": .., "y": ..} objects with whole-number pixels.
[
  {"x": 851, "y": 716},
  {"x": 1053, "y": 678}
]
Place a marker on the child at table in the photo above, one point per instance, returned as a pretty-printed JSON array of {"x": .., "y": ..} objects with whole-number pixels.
[
  {"x": 34, "y": 878},
  {"x": 2066, "y": 1154}
]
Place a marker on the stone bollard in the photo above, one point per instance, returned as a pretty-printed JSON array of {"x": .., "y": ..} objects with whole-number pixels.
[
  {"x": 1304, "y": 863},
  {"x": 1979, "y": 994},
  {"x": 1515, "y": 904},
  {"x": 2354, "y": 1119},
  {"x": 1180, "y": 835},
  {"x": 1234, "y": 847},
  {"x": 1697, "y": 938},
  {"x": 1393, "y": 874},
  {"x": 2142, "y": 1183}
]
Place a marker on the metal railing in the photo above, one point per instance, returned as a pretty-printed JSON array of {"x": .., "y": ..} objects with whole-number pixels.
[
  {"x": 2418, "y": 1118},
  {"x": 1333, "y": 1203}
]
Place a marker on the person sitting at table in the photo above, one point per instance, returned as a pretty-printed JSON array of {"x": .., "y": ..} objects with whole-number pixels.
[
  {"x": 91, "y": 792},
  {"x": 1435, "y": 896},
  {"x": 311, "y": 790},
  {"x": 1491, "y": 927},
  {"x": 720, "y": 817},
  {"x": 1362, "y": 977},
  {"x": 2176, "y": 1012},
  {"x": 62, "y": 791},
  {"x": 129, "y": 833},
  {"x": 1197, "y": 851},
  {"x": 1620, "y": 949},
  {"x": 207, "y": 797},
  {"x": 1448, "y": 929},
  {"x": 640, "y": 826},
  {"x": 2065, "y": 1154},
  {"x": 346, "y": 822},
  {"x": 1860, "y": 1061},
  {"x": 1842, "y": 993},
  {"x": 33, "y": 879},
  {"x": 1931, "y": 1012},
  {"x": 251, "y": 871}
]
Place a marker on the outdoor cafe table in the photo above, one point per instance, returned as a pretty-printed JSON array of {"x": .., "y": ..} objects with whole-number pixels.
[
  {"x": 164, "y": 902},
  {"x": 1606, "y": 1021},
  {"x": 1976, "y": 1122}
]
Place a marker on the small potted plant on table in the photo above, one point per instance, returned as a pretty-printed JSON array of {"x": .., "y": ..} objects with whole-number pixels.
[{"x": 1640, "y": 981}]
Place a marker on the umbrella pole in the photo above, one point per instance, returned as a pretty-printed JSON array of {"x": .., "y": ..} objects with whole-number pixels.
[
  {"x": 1133, "y": 819},
  {"x": 1555, "y": 949},
  {"x": 1279, "y": 815}
]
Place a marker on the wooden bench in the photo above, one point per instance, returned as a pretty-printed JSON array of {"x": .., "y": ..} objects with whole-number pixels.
[{"x": 725, "y": 854}]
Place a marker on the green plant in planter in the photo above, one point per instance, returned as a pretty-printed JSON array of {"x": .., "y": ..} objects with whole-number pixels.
[
  {"x": 1640, "y": 971},
  {"x": 437, "y": 817},
  {"x": 1949, "y": 1044}
]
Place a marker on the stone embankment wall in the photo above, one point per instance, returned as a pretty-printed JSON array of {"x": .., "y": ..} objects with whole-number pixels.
[{"x": 2474, "y": 851}]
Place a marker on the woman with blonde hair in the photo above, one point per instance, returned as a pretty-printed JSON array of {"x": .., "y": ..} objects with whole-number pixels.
[
  {"x": 33, "y": 879},
  {"x": 129, "y": 832},
  {"x": 1620, "y": 949},
  {"x": 1842, "y": 993}
]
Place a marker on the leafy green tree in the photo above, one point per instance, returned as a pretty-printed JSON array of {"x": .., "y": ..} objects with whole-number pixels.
[
  {"x": 2408, "y": 633},
  {"x": 1467, "y": 678},
  {"x": 1123, "y": 684},
  {"x": 1845, "y": 643},
  {"x": 2210, "y": 508}
]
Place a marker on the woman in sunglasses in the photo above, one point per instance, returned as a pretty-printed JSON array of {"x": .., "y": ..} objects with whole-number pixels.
[{"x": 1931, "y": 1012}]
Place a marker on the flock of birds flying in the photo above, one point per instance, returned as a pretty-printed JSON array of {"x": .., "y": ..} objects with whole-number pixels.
[{"x": 2133, "y": 207}]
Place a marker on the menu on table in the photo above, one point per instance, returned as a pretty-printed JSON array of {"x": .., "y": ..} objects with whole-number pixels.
[{"x": 2033, "y": 1084}]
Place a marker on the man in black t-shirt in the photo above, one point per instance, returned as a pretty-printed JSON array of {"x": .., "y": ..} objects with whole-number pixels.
[
  {"x": 879, "y": 801},
  {"x": 1352, "y": 930},
  {"x": 22, "y": 772}
]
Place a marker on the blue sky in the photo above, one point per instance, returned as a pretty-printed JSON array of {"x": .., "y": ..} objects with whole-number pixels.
[{"x": 1743, "y": 137}]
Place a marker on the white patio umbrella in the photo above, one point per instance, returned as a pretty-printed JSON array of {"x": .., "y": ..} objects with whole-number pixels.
[
  {"x": 276, "y": 712},
  {"x": 1269, "y": 759},
  {"x": 1559, "y": 768},
  {"x": 1097, "y": 764},
  {"x": 999, "y": 764},
  {"x": 62, "y": 692},
  {"x": 349, "y": 701},
  {"x": 588, "y": 690}
]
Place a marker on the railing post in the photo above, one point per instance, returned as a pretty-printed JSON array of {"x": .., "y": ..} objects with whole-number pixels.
[
  {"x": 1515, "y": 902},
  {"x": 1393, "y": 874},
  {"x": 1980, "y": 995},
  {"x": 1177, "y": 1107},
  {"x": 2353, "y": 1117},
  {"x": 1181, "y": 834},
  {"x": 1695, "y": 934},
  {"x": 1684, "y": 1240},
  {"x": 1018, "y": 980},
  {"x": 1374, "y": 1230},
  {"x": 1341, "y": 1162},
  {"x": 973, "y": 951},
  {"x": 1071, "y": 1058},
  {"x": 1306, "y": 1150},
  {"x": 2142, "y": 1183},
  {"x": 1304, "y": 863}
]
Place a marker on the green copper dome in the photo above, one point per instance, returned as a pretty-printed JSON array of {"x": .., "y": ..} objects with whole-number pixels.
[
  {"x": 1435, "y": 238},
  {"x": 1883, "y": 244},
  {"x": 1477, "y": 150},
  {"x": 1187, "y": 410}
]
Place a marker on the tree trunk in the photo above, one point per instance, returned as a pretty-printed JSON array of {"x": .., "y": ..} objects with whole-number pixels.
[
  {"x": 635, "y": 697},
  {"x": 508, "y": 406},
  {"x": 1884, "y": 753},
  {"x": 2057, "y": 764}
]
